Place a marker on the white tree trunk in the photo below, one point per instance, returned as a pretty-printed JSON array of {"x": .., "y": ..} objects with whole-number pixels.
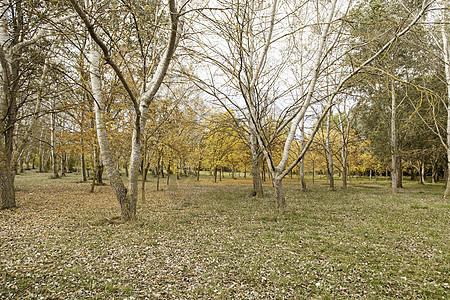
[
  {"x": 127, "y": 197},
  {"x": 345, "y": 133},
  {"x": 329, "y": 151},
  {"x": 394, "y": 160},
  {"x": 280, "y": 171},
  {"x": 446, "y": 54},
  {"x": 105, "y": 150},
  {"x": 302, "y": 162}
]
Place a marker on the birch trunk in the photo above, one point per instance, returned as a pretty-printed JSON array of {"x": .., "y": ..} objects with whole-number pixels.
[
  {"x": 127, "y": 197},
  {"x": 394, "y": 168},
  {"x": 329, "y": 151},
  {"x": 280, "y": 171},
  {"x": 278, "y": 185},
  {"x": 302, "y": 162},
  {"x": 345, "y": 131},
  {"x": 105, "y": 150},
  {"x": 446, "y": 53}
]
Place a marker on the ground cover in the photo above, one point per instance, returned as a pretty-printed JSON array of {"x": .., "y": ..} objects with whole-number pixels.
[{"x": 206, "y": 240}]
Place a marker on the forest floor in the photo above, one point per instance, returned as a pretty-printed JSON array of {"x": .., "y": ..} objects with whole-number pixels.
[{"x": 204, "y": 240}]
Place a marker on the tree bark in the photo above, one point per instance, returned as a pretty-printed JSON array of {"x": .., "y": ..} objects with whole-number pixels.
[
  {"x": 399, "y": 173},
  {"x": 421, "y": 169},
  {"x": 256, "y": 168},
  {"x": 41, "y": 153},
  {"x": 302, "y": 162},
  {"x": 446, "y": 54},
  {"x": 127, "y": 197},
  {"x": 145, "y": 168},
  {"x": 394, "y": 167},
  {"x": 53, "y": 143},
  {"x": 28, "y": 159},
  {"x": 329, "y": 151},
  {"x": 8, "y": 199},
  {"x": 83, "y": 167},
  {"x": 345, "y": 134},
  {"x": 115, "y": 181},
  {"x": 278, "y": 185},
  {"x": 198, "y": 169},
  {"x": 63, "y": 164},
  {"x": 157, "y": 173}
]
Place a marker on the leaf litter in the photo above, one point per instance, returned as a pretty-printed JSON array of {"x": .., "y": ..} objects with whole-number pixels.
[{"x": 214, "y": 241}]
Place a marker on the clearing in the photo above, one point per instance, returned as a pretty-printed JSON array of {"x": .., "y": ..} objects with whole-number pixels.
[{"x": 205, "y": 240}]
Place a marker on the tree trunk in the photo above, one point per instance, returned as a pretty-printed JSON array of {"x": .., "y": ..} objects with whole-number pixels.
[
  {"x": 329, "y": 151},
  {"x": 446, "y": 54},
  {"x": 394, "y": 168},
  {"x": 399, "y": 173},
  {"x": 313, "y": 171},
  {"x": 144, "y": 180},
  {"x": 198, "y": 170},
  {"x": 278, "y": 185},
  {"x": 63, "y": 164},
  {"x": 83, "y": 167},
  {"x": 344, "y": 174},
  {"x": 94, "y": 170},
  {"x": 157, "y": 173},
  {"x": 168, "y": 174},
  {"x": 27, "y": 160},
  {"x": 8, "y": 199},
  {"x": 41, "y": 153},
  {"x": 302, "y": 162},
  {"x": 99, "y": 174},
  {"x": 53, "y": 144},
  {"x": 127, "y": 208},
  {"x": 419, "y": 167},
  {"x": 423, "y": 172},
  {"x": 434, "y": 171},
  {"x": 256, "y": 168},
  {"x": 145, "y": 168}
]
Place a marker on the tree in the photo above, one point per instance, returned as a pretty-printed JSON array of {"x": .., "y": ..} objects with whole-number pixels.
[
  {"x": 446, "y": 55},
  {"x": 140, "y": 102},
  {"x": 21, "y": 27}
]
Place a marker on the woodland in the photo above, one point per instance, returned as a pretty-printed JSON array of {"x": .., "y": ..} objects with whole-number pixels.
[{"x": 224, "y": 149}]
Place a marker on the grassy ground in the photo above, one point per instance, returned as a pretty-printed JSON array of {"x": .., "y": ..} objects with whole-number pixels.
[{"x": 206, "y": 240}]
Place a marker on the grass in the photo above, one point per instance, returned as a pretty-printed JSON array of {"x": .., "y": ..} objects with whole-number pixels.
[{"x": 204, "y": 240}]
